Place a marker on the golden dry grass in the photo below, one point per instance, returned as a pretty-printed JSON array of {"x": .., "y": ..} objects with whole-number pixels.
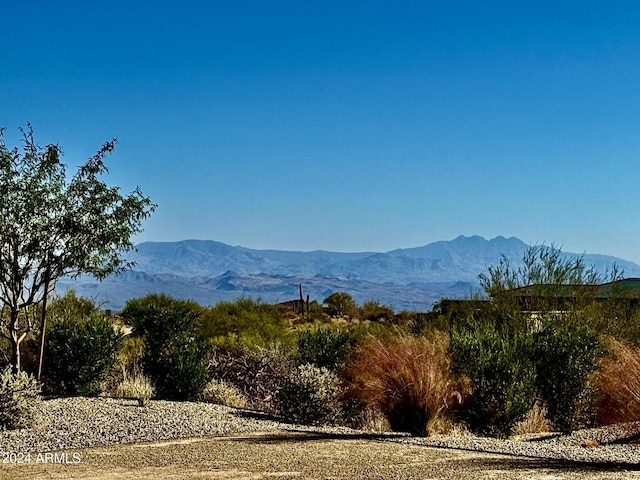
[
  {"x": 408, "y": 379},
  {"x": 618, "y": 380}
]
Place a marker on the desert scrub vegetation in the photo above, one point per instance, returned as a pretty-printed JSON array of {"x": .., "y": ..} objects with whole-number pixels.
[
  {"x": 173, "y": 355},
  {"x": 246, "y": 322},
  {"x": 223, "y": 393},
  {"x": 82, "y": 347},
  {"x": 618, "y": 382},
  {"x": 406, "y": 378},
  {"x": 258, "y": 374},
  {"x": 326, "y": 347},
  {"x": 497, "y": 359},
  {"x": 137, "y": 387},
  {"x": 565, "y": 356},
  {"x": 310, "y": 395},
  {"x": 20, "y": 400}
]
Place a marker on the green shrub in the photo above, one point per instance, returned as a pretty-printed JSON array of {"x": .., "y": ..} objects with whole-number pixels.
[
  {"x": 406, "y": 378},
  {"x": 341, "y": 304},
  {"x": 174, "y": 356},
  {"x": 223, "y": 393},
  {"x": 20, "y": 401},
  {"x": 244, "y": 321},
  {"x": 79, "y": 353},
  {"x": 310, "y": 396},
  {"x": 498, "y": 361},
  {"x": 325, "y": 347},
  {"x": 374, "y": 311},
  {"x": 259, "y": 376},
  {"x": 72, "y": 306},
  {"x": 565, "y": 357}
]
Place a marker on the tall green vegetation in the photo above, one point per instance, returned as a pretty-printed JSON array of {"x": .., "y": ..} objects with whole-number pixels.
[
  {"x": 542, "y": 316},
  {"x": 565, "y": 357},
  {"x": 497, "y": 359},
  {"x": 83, "y": 346},
  {"x": 325, "y": 347},
  {"x": 246, "y": 322},
  {"x": 52, "y": 225},
  {"x": 174, "y": 356}
]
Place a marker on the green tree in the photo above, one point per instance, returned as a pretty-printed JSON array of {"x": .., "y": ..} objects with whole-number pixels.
[
  {"x": 52, "y": 225},
  {"x": 340, "y": 304}
]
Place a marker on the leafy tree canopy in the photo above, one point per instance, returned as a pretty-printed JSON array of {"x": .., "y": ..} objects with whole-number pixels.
[{"x": 52, "y": 225}]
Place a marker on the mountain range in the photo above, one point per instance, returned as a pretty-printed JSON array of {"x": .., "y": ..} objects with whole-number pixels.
[{"x": 412, "y": 278}]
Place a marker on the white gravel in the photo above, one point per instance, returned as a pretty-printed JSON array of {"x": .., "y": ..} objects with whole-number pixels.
[
  {"x": 596, "y": 445},
  {"x": 78, "y": 422}
]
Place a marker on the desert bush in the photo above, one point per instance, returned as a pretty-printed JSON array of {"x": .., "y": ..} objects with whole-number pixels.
[
  {"x": 137, "y": 387},
  {"x": 20, "y": 401},
  {"x": 223, "y": 393},
  {"x": 497, "y": 360},
  {"x": 244, "y": 321},
  {"x": 340, "y": 304},
  {"x": 406, "y": 378},
  {"x": 565, "y": 357},
  {"x": 325, "y": 347},
  {"x": 374, "y": 311},
  {"x": 310, "y": 396},
  {"x": 174, "y": 356},
  {"x": 618, "y": 381},
  {"x": 79, "y": 353},
  {"x": 71, "y": 306},
  {"x": 258, "y": 375}
]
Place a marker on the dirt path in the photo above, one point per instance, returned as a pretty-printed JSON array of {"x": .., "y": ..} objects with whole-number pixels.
[{"x": 294, "y": 455}]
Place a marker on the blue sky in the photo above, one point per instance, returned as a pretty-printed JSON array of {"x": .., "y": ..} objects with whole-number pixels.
[{"x": 344, "y": 126}]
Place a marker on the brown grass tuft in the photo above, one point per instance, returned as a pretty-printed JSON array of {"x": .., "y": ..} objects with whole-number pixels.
[
  {"x": 618, "y": 380},
  {"x": 407, "y": 379},
  {"x": 534, "y": 422}
]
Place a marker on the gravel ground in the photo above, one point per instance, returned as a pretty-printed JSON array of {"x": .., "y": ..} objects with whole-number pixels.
[{"x": 74, "y": 423}]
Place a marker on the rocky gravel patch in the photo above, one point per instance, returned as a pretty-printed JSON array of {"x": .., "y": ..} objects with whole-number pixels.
[
  {"x": 72, "y": 423},
  {"x": 80, "y": 422},
  {"x": 605, "y": 446}
]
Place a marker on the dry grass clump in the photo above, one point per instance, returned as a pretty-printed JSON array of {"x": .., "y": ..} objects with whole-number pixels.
[
  {"x": 222, "y": 393},
  {"x": 373, "y": 420},
  {"x": 618, "y": 380},
  {"x": 535, "y": 421},
  {"x": 137, "y": 387},
  {"x": 407, "y": 379}
]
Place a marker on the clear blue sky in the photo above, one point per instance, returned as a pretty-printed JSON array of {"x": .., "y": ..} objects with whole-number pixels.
[{"x": 345, "y": 126}]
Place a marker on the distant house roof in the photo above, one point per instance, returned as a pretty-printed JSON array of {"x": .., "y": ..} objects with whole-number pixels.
[{"x": 626, "y": 288}]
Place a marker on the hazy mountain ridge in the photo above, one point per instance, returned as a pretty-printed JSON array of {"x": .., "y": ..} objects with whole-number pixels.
[{"x": 411, "y": 278}]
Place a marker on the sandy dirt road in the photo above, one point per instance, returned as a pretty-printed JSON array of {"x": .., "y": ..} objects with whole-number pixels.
[{"x": 295, "y": 455}]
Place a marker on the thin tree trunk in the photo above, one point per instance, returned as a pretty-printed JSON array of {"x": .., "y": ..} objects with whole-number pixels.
[
  {"x": 43, "y": 326},
  {"x": 15, "y": 354}
]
